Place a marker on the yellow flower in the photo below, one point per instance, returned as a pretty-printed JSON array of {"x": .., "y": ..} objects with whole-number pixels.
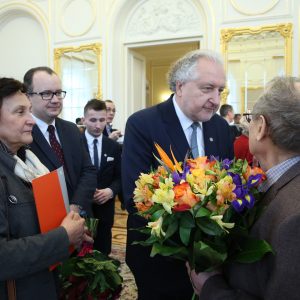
[
  {"x": 167, "y": 185},
  {"x": 223, "y": 225},
  {"x": 156, "y": 228},
  {"x": 165, "y": 198},
  {"x": 225, "y": 190},
  {"x": 145, "y": 179}
]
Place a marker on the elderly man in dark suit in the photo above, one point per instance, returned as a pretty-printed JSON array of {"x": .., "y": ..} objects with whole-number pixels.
[
  {"x": 186, "y": 122},
  {"x": 274, "y": 139},
  {"x": 106, "y": 156},
  {"x": 57, "y": 142}
]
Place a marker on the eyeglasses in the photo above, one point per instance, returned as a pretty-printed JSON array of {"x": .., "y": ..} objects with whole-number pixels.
[
  {"x": 47, "y": 95},
  {"x": 248, "y": 117}
]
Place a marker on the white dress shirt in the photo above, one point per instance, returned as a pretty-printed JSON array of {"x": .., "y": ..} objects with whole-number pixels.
[
  {"x": 186, "y": 126},
  {"x": 44, "y": 128},
  {"x": 90, "y": 142}
]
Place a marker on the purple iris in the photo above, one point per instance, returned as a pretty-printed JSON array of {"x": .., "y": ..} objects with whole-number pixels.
[
  {"x": 253, "y": 180},
  {"x": 177, "y": 177},
  {"x": 242, "y": 191},
  {"x": 226, "y": 163}
]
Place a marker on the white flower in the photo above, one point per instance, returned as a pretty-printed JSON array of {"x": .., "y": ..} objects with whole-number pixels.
[
  {"x": 223, "y": 225},
  {"x": 156, "y": 228}
]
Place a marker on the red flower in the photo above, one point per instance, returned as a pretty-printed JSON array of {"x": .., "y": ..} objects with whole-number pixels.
[{"x": 87, "y": 248}]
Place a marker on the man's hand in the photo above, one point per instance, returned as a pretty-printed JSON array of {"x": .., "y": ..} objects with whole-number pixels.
[
  {"x": 103, "y": 195},
  {"x": 198, "y": 280},
  {"x": 115, "y": 135}
]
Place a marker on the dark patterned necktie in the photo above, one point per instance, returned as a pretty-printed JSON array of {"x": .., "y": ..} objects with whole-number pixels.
[
  {"x": 96, "y": 156},
  {"x": 55, "y": 144},
  {"x": 194, "y": 144}
]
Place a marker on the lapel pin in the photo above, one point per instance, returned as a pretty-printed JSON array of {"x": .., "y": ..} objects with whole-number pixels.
[
  {"x": 211, "y": 139},
  {"x": 105, "y": 154}
]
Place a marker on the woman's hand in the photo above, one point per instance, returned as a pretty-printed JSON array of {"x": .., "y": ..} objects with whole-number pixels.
[{"x": 75, "y": 228}]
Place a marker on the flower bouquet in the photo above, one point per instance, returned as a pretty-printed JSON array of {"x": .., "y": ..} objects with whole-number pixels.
[
  {"x": 89, "y": 274},
  {"x": 201, "y": 210}
]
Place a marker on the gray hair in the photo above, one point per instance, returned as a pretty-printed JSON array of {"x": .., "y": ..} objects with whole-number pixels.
[
  {"x": 184, "y": 69},
  {"x": 244, "y": 125},
  {"x": 280, "y": 105}
]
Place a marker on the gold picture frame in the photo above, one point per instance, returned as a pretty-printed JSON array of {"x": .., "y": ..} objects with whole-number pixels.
[
  {"x": 95, "y": 49},
  {"x": 228, "y": 35}
]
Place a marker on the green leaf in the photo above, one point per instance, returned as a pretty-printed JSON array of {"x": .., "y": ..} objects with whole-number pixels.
[
  {"x": 203, "y": 212},
  {"x": 156, "y": 215},
  {"x": 252, "y": 250},
  {"x": 185, "y": 234},
  {"x": 171, "y": 227},
  {"x": 187, "y": 220},
  {"x": 178, "y": 252},
  {"x": 209, "y": 226},
  {"x": 206, "y": 258}
]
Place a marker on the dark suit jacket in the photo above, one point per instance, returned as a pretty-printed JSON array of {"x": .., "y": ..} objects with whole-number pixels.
[
  {"x": 275, "y": 277},
  {"x": 160, "y": 124},
  {"x": 79, "y": 171},
  {"x": 109, "y": 174}
]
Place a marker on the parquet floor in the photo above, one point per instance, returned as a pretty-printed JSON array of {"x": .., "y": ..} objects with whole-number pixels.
[
  {"x": 119, "y": 229},
  {"x": 129, "y": 291}
]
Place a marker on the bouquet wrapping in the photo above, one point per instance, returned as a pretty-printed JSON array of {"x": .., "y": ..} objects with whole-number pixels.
[{"x": 201, "y": 210}]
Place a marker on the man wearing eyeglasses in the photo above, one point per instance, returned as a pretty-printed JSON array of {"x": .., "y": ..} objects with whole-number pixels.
[
  {"x": 58, "y": 142},
  {"x": 108, "y": 131}
]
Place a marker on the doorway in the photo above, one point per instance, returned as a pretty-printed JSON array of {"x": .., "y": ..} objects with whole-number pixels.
[{"x": 158, "y": 59}]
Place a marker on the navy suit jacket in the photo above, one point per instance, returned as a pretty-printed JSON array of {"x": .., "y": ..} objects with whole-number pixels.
[
  {"x": 109, "y": 174},
  {"x": 79, "y": 171},
  {"x": 160, "y": 124}
]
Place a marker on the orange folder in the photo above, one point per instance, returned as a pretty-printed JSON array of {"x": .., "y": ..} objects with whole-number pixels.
[{"x": 51, "y": 200}]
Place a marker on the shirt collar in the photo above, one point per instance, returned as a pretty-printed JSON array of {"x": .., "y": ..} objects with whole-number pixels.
[
  {"x": 277, "y": 171},
  {"x": 183, "y": 119},
  {"x": 90, "y": 138},
  {"x": 43, "y": 126}
]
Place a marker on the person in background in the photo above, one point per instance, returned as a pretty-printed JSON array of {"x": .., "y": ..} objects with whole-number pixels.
[
  {"x": 57, "y": 142},
  {"x": 25, "y": 253},
  {"x": 109, "y": 130},
  {"x": 78, "y": 121},
  {"x": 241, "y": 143},
  {"x": 106, "y": 155},
  {"x": 236, "y": 119},
  {"x": 226, "y": 111},
  {"x": 187, "y": 122},
  {"x": 113, "y": 134},
  {"x": 274, "y": 139}
]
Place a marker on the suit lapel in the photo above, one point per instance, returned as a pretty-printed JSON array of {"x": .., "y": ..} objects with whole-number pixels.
[
  {"x": 42, "y": 143},
  {"x": 210, "y": 136},
  {"x": 65, "y": 140},
  {"x": 174, "y": 130}
]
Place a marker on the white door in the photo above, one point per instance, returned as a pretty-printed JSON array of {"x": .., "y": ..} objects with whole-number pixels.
[{"x": 136, "y": 82}]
